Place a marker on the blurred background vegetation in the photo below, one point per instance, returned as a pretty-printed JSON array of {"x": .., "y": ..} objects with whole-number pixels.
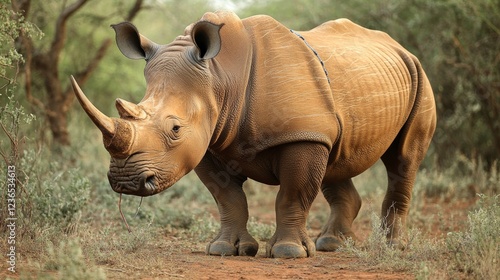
[
  {"x": 457, "y": 41},
  {"x": 61, "y": 163}
]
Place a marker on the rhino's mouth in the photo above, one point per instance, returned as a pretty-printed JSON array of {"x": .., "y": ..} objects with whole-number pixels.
[{"x": 143, "y": 184}]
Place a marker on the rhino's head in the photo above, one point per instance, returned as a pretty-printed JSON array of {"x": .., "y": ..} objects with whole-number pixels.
[{"x": 156, "y": 142}]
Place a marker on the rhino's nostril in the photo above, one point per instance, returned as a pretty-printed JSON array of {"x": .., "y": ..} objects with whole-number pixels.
[
  {"x": 143, "y": 184},
  {"x": 150, "y": 183}
]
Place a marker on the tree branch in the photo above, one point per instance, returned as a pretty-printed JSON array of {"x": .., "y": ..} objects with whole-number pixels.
[
  {"x": 24, "y": 46},
  {"x": 13, "y": 144},
  {"x": 22, "y": 7},
  {"x": 84, "y": 75},
  {"x": 134, "y": 10},
  {"x": 60, "y": 32},
  {"x": 28, "y": 58}
]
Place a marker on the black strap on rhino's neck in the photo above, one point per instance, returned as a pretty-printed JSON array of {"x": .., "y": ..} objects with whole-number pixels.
[{"x": 315, "y": 53}]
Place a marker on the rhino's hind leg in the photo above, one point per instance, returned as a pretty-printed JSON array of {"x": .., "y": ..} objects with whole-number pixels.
[
  {"x": 300, "y": 169},
  {"x": 226, "y": 187},
  {"x": 402, "y": 161},
  {"x": 401, "y": 174},
  {"x": 345, "y": 203}
]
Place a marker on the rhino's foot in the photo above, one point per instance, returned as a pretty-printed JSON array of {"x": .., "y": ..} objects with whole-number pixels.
[
  {"x": 396, "y": 243},
  {"x": 330, "y": 242},
  {"x": 243, "y": 247},
  {"x": 287, "y": 249}
]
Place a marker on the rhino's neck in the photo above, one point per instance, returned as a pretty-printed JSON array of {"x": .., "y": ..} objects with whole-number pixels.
[
  {"x": 231, "y": 94},
  {"x": 274, "y": 69},
  {"x": 231, "y": 70}
]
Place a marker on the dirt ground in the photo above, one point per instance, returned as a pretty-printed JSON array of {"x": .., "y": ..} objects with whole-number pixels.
[
  {"x": 194, "y": 264},
  {"x": 170, "y": 257}
]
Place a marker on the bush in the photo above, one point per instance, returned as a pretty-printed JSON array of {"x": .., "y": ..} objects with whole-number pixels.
[
  {"x": 259, "y": 230},
  {"x": 56, "y": 193},
  {"x": 464, "y": 178},
  {"x": 473, "y": 253},
  {"x": 376, "y": 252},
  {"x": 49, "y": 194},
  {"x": 476, "y": 251},
  {"x": 12, "y": 116},
  {"x": 68, "y": 260}
]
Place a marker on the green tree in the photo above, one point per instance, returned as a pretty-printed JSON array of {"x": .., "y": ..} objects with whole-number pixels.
[
  {"x": 12, "y": 25},
  {"x": 12, "y": 115},
  {"x": 45, "y": 86},
  {"x": 120, "y": 77}
]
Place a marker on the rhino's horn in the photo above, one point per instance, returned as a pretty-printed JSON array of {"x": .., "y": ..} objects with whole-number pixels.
[
  {"x": 117, "y": 133},
  {"x": 103, "y": 122},
  {"x": 129, "y": 110}
]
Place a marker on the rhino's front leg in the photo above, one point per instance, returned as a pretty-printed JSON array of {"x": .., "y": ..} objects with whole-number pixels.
[
  {"x": 301, "y": 169},
  {"x": 226, "y": 187}
]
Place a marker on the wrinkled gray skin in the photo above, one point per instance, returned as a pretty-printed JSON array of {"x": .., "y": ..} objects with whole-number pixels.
[{"x": 236, "y": 99}]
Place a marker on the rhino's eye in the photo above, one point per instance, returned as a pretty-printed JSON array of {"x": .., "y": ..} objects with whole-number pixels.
[{"x": 176, "y": 128}]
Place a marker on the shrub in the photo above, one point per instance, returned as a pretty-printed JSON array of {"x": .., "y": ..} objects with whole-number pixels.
[
  {"x": 204, "y": 228},
  {"x": 376, "y": 252},
  {"x": 12, "y": 117},
  {"x": 49, "y": 194},
  {"x": 476, "y": 251},
  {"x": 59, "y": 198},
  {"x": 259, "y": 230},
  {"x": 68, "y": 260}
]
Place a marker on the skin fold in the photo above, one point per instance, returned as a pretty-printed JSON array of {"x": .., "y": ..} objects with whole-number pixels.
[{"x": 247, "y": 98}]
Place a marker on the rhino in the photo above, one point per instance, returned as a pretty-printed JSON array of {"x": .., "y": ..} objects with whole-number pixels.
[{"x": 235, "y": 99}]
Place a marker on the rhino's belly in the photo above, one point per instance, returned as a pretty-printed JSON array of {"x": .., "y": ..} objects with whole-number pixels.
[
  {"x": 350, "y": 156},
  {"x": 348, "y": 168},
  {"x": 258, "y": 166},
  {"x": 262, "y": 175},
  {"x": 348, "y": 161}
]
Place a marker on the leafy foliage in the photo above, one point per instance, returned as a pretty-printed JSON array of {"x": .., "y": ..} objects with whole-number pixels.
[
  {"x": 476, "y": 251},
  {"x": 69, "y": 262},
  {"x": 376, "y": 252},
  {"x": 11, "y": 26},
  {"x": 56, "y": 193}
]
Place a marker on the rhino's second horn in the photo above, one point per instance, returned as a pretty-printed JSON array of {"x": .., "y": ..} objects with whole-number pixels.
[{"x": 129, "y": 110}]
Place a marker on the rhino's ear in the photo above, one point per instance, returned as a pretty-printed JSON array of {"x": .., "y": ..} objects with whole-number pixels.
[
  {"x": 132, "y": 44},
  {"x": 206, "y": 37}
]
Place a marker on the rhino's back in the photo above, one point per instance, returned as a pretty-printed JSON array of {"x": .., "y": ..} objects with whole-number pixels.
[
  {"x": 288, "y": 97},
  {"x": 344, "y": 31},
  {"x": 374, "y": 83}
]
